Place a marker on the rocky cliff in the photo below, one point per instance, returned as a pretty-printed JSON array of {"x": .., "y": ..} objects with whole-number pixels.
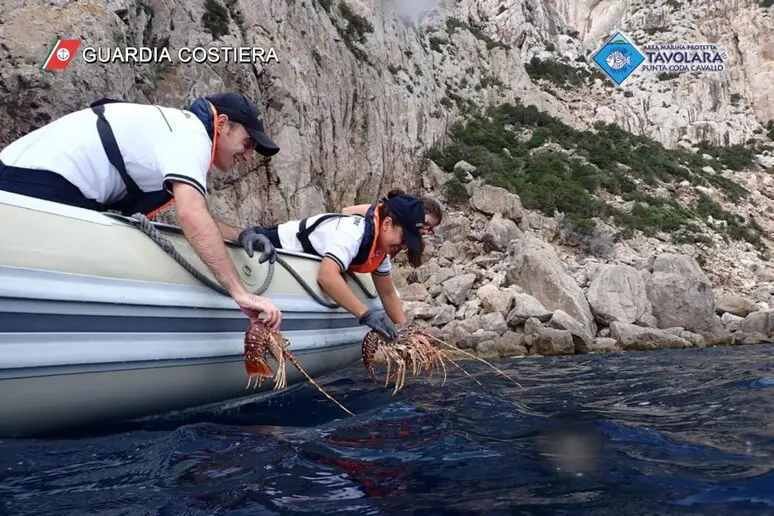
[{"x": 363, "y": 89}]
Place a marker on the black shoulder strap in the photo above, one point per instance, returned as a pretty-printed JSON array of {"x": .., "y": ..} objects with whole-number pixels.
[
  {"x": 369, "y": 233},
  {"x": 304, "y": 231},
  {"x": 113, "y": 153},
  {"x": 103, "y": 101}
]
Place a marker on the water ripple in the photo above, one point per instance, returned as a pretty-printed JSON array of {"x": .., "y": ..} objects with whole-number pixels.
[{"x": 672, "y": 432}]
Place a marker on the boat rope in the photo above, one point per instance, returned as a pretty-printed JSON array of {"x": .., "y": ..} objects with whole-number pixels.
[{"x": 147, "y": 227}]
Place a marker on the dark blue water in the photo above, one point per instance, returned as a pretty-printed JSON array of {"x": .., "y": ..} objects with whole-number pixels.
[{"x": 663, "y": 432}]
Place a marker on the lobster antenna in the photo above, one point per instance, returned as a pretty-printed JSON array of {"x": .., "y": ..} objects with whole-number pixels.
[{"x": 503, "y": 373}]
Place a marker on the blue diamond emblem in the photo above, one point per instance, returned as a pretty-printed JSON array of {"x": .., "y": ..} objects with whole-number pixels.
[{"x": 618, "y": 58}]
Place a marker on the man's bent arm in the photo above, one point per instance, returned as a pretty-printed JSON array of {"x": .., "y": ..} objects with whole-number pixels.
[
  {"x": 202, "y": 232},
  {"x": 226, "y": 231}
]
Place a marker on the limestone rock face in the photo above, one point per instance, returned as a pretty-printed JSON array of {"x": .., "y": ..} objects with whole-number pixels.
[
  {"x": 682, "y": 108},
  {"x": 360, "y": 88}
]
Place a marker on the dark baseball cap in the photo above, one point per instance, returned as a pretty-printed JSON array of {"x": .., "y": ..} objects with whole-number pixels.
[
  {"x": 243, "y": 111},
  {"x": 410, "y": 213}
]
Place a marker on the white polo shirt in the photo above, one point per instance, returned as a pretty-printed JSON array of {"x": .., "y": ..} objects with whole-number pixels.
[
  {"x": 155, "y": 149},
  {"x": 338, "y": 238}
]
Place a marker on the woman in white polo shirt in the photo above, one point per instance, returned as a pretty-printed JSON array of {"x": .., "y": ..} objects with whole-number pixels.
[
  {"x": 359, "y": 244},
  {"x": 433, "y": 214}
]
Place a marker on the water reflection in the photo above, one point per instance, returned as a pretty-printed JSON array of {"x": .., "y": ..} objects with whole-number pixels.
[{"x": 677, "y": 432}]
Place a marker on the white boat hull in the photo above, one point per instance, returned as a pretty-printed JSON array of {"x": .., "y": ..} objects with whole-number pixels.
[{"x": 98, "y": 323}]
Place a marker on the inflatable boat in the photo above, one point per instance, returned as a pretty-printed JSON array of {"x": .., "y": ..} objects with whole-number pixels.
[{"x": 105, "y": 318}]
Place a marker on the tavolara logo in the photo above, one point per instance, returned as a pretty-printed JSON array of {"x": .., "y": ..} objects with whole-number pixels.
[{"x": 61, "y": 54}]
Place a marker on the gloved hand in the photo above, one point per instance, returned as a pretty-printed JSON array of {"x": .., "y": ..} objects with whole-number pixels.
[
  {"x": 381, "y": 323},
  {"x": 252, "y": 241}
]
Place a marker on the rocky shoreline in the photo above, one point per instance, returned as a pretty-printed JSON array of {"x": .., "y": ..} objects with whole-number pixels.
[{"x": 501, "y": 281}]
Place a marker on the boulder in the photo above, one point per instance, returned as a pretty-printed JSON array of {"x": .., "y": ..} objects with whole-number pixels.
[
  {"x": 457, "y": 288},
  {"x": 741, "y": 338},
  {"x": 433, "y": 314},
  {"x": 510, "y": 344},
  {"x": 632, "y": 337},
  {"x": 499, "y": 233},
  {"x": 524, "y": 307},
  {"x": 472, "y": 340},
  {"x": 425, "y": 271},
  {"x": 414, "y": 292},
  {"x": 618, "y": 293},
  {"x": 735, "y": 305},
  {"x": 452, "y": 251},
  {"x": 758, "y": 322},
  {"x": 494, "y": 299},
  {"x": 681, "y": 295},
  {"x": 494, "y": 321},
  {"x": 535, "y": 266},
  {"x": 604, "y": 345},
  {"x": 455, "y": 227},
  {"x": 434, "y": 177},
  {"x": 730, "y": 321},
  {"x": 443, "y": 315},
  {"x": 582, "y": 339},
  {"x": 549, "y": 341},
  {"x": 493, "y": 199},
  {"x": 469, "y": 309}
]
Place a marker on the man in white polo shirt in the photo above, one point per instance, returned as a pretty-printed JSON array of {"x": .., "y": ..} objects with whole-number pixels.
[{"x": 139, "y": 158}]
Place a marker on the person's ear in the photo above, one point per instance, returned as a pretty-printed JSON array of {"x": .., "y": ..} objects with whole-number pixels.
[{"x": 222, "y": 123}]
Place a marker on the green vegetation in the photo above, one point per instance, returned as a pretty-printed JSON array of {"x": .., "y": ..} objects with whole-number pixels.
[
  {"x": 436, "y": 43},
  {"x": 607, "y": 161},
  {"x": 455, "y": 191},
  {"x": 770, "y": 129},
  {"x": 452, "y": 24},
  {"x": 465, "y": 106},
  {"x": 560, "y": 74},
  {"x": 355, "y": 31},
  {"x": 357, "y": 26},
  {"x": 119, "y": 38},
  {"x": 735, "y": 157},
  {"x": 215, "y": 18}
]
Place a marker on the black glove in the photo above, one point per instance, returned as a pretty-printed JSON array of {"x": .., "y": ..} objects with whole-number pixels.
[
  {"x": 252, "y": 241},
  {"x": 381, "y": 323}
]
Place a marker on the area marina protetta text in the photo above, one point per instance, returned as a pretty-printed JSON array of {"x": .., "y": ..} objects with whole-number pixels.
[{"x": 684, "y": 58}]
